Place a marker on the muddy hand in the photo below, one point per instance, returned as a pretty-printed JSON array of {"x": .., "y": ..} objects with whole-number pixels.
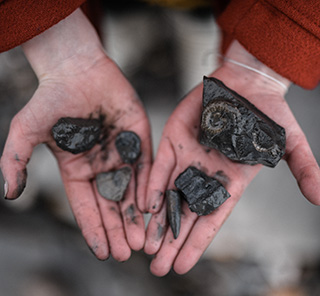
[
  {"x": 83, "y": 95},
  {"x": 179, "y": 148}
]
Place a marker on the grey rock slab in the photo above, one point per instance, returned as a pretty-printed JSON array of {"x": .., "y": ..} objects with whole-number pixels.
[{"x": 235, "y": 127}]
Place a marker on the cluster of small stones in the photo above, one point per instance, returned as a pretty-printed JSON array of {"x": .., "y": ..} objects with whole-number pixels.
[
  {"x": 229, "y": 123},
  {"x": 203, "y": 194},
  {"x": 77, "y": 135}
]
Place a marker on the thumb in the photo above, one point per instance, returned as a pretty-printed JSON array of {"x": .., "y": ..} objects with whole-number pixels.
[
  {"x": 304, "y": 167},
  {"x": 16, "y": 154}
]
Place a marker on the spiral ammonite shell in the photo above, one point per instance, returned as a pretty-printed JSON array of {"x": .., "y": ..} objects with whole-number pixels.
[
  {"x": 235, "y": 127},
  {"x": 219, "y": 116}
]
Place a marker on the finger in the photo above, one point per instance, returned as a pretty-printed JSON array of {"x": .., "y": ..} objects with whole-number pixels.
[
  {"x": 87, "y": 214},
  {"x": 112, "y": 221},
  {"x": 158, "y": 223},
  {"x": 164, "y": 259},
  {"x": 156, "y": 231},
  {"x": 159, "y": 176},
  {"x": 132, "y": 218},
  {"x": 16, "y": 154},
  {"x": 305, "y": 169},
  {"x": 143, "y": 170},
  {"x": 201, "y": 235}
]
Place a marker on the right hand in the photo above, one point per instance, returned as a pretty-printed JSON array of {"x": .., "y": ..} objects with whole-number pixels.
[{"x": 83, "y": 84}]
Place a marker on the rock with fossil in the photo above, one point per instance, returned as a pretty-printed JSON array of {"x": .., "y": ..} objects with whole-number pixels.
[{"x": 235, "y": 127}]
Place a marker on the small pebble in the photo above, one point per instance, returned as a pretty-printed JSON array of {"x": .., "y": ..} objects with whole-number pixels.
[
  {"x": 128, "y": 145},
  {"x": 112, "y": 185}
]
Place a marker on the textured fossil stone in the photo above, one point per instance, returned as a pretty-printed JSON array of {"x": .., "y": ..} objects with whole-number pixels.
[
  {"x": 128, "y": 145},
  {"x": 235, "y": 127},
  {"x": 112, "y": 185},
  {"x": 76, "y": 135},
  {"x": 203, "y": 193},
  {"x": 173, "y": 198}
]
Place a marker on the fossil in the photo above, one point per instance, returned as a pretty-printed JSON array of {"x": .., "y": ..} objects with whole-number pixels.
[
  {"x": 173, "y": 198},
  {"x": 203, "y": 193},
  {"x": 235, "y": 127},
  {"x": 76, "y": 135},
  {"x": 112, "y": 185},
  {"x": 128, "y": 145}
]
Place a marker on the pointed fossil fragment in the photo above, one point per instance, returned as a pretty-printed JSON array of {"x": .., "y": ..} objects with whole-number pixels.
[
  {"x": 174, "y": 211},
  {"x": 235, "y": 127},
  {"x": 112, "y": 185},
  {"x": 203, "y": 193},
  {"x": 128, "y": 145},
  {"x": 76, "y": 135}
]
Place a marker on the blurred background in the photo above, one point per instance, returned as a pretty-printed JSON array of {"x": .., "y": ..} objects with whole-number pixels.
[{"x": 270, "y": 245}]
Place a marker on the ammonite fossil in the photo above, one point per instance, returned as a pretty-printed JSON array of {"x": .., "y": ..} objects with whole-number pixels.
[
  {"x": 76, "y": 135},
  {"x": 235, "y": 127},
  {"x": 112, "y": 185},
  {"x": 128, "y": 145},
  {"x": 173, "y": 198},
  {"x": 203, "y": 193}
]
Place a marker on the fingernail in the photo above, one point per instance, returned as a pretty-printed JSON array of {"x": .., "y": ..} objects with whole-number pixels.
[{"x": 6, "y": 188}]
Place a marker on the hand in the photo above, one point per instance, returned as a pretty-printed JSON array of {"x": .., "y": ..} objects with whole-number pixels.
[
  {"x": 179, "y": 148},
  {"x": 79, "y": 80}
]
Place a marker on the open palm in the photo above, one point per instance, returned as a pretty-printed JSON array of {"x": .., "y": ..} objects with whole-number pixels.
[
  {"x": 100, "y": 91},
  {"x": 180, "y": 148}
]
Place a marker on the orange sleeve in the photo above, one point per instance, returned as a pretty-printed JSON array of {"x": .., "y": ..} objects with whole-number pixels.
[
  {"x": 284, "y": 35},
  {"x": 21, "y": 20}
]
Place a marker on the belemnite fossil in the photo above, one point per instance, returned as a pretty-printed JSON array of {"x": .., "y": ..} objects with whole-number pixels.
[
  {"x": 128, "y": 145},
  {"x": 235, "y": 127},
  {"x": 173, "y": 198},
  {"x": 202, "y": 193},
  {"x": 112, "y": 185},
  {"x": 76, "y": 135}
]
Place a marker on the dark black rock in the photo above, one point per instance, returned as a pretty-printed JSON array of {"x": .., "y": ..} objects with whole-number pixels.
[
  {"x": 174, "y": 211},
  {"x": 128, "y": 145},
  {"x": 76, "y": 135},
  {"x": 203, "y": 193},
  {"x": 235, "y": 127},
  {"x": 112, "y": 185}
]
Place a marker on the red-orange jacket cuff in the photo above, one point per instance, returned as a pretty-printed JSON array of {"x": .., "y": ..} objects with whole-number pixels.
[
  {"x": 284, "y": 37},
  {"x": 21, "y": 20}
]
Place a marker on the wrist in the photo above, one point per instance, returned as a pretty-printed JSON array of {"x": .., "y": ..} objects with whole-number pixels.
[
  {"x": 69, "y": 45},
  {"x": 248, "y": 68}
]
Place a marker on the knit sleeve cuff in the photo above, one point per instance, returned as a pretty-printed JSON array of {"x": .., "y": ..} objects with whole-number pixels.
[
  {"x": 289, "y": 47},
  {"x": 21, "y": 20}
]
